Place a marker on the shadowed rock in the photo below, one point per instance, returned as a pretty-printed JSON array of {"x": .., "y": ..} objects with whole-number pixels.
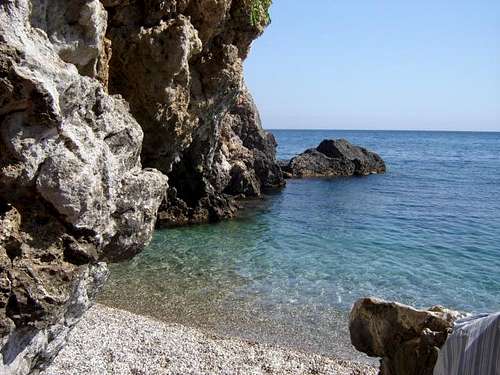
[{"x": 334, "y": 158}]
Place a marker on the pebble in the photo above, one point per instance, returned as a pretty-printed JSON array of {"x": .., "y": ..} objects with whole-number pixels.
[{"x": 111, "y": 341}]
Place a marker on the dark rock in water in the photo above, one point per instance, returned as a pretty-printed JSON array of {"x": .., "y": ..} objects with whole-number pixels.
[
  {"x": 365, "y": 162},
  {"x": 284, "y": 165},
  {"x": 408, "y": 340},
  {"x": 312, "y": 163},
  {"x": 334, "y": 158},
  {"x": 175, "y": 212}
]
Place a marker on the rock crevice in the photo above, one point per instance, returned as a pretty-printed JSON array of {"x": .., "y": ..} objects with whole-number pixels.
[{"x": 180, "y": 66}]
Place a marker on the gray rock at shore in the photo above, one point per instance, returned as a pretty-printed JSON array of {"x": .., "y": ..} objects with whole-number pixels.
[
  {"x": 334, "y": 158},
  {"x": 242, "y": 164},
  {"x": 408, "y": 340}
]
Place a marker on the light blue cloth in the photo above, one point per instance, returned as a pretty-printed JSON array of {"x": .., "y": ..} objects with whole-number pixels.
[{"x": 473, "y": 348}]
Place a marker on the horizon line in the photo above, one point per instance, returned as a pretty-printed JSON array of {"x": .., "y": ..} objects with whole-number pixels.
[{"x": 390, "y": 130}]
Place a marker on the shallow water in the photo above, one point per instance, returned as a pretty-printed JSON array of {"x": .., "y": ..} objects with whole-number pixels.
[{"x": 289, "y": 268}]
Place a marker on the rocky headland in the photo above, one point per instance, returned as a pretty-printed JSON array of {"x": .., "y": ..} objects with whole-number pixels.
[
  {"x": 333, "y": 157},
  {"x": 111, "y": 112}
]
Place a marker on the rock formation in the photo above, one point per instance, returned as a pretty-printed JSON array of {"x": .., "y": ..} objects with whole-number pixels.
[
  {"x": 242, "y": 164},
  {"x": 180, "y": 66},
  {"x": 334, "y": 158},
  {"x": 407, "y": 340},
  {"x": 93, "y": 96}
]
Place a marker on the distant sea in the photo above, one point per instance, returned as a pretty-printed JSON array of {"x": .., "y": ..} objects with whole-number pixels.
[{"x": 289, "y": 268}]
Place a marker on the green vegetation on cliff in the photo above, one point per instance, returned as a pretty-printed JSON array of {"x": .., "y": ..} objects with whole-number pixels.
[{"x": 259, "y": 11}]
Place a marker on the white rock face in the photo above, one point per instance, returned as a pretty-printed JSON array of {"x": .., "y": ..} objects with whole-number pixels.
[
  {"x": 30, "y": 350},
  {"x": 76, "y": 30},
  {"x": 72, "y": 189}
]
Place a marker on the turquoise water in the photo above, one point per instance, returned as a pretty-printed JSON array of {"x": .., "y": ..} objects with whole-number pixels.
[{"x": 289, "y": 268}]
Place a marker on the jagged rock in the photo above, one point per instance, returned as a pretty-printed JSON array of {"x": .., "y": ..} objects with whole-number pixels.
[
  {"x": 150, "y": 68},
  {"x": 334, "y": 158},
  {"x": 76, "y": 30},
  {"x": 180, "y": 65},
  {"x": 176, "y": 212},
  {"x": 408, "y": 340},
  {"x": 72, "y": 190},
  {"x": 247, "y": 151}
]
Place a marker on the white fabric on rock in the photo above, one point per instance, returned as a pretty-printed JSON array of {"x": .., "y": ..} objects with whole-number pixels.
[{"x": 473, "y": 348}]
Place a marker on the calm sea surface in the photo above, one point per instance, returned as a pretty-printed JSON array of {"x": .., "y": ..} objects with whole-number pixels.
[{"x": 288, "y": 270}]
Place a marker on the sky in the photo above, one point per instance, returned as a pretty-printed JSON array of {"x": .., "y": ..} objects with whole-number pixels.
[{"x": 379, "y": 64}]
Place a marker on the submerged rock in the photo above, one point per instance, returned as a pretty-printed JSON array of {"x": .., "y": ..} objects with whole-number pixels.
[
  {"x": 334, "y": 158},
  {"x": 408, "y": 340}
]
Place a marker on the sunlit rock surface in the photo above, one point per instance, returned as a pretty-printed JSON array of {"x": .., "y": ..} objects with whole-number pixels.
[
  {"x": 406, "y": 339},
  {"x": 180, "y": 66}
]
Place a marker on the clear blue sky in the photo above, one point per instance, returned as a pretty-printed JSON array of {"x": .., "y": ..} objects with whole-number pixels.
[{"x": 379, "y": 64}]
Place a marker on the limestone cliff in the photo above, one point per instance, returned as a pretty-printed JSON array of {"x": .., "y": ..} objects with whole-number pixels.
[
  {"x": 180, "y": 66},
  {"x": 100, "y": 101}
]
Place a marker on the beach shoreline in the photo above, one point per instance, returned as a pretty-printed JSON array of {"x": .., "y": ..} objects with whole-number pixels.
[{"x": 109, "y": 340}]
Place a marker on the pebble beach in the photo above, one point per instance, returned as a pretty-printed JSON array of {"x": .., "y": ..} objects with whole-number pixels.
[{"x": 112, "y": 341}]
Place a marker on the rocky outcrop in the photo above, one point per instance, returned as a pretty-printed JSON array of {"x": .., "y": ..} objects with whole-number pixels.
[
  {"x": 408, "y": 340},
  {"x": 72, "y": 191},
  {"x": 93, "y": 96},
  {"x": 334, "y": 158},
  {"x": 242, "y": 164},
  {"x": 180, "y": 66}
]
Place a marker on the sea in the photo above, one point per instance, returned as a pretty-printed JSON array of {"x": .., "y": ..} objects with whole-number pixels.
[{"x": 287, "y": 270}]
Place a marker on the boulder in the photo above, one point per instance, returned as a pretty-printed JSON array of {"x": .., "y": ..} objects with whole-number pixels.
[
  {"x": 334, "y": 158},
  {"x": 406, "y": 339}
]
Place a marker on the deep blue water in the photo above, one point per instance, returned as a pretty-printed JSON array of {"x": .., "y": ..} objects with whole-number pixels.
[{"x": 288, "y": 270}]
